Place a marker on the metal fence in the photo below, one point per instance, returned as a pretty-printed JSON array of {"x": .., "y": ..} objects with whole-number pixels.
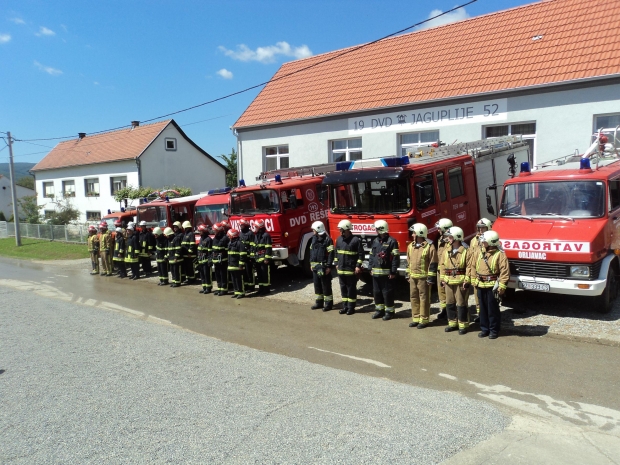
[{"x": 67, "y": 233}]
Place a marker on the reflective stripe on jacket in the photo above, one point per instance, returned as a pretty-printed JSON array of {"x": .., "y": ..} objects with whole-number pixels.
[
  {"x": 219, "y": 248},
  {"x": 133, "y": 249},
  {"x": 384, "y": 256},
  {"x": 248, "y": 238},
  {"x": 349, "y": 254},
  {"x": 486, "y": 276},
  {"x": 236, "y": 254},
  {"x": 421, "y": 260},
  {"x": 119, "y": 248},
  {"x": 263, "y": 248},
  {"x": 321, "y": 250},
  {"x": 205, "y": 247},
  {"x": 453, "y": 266}
]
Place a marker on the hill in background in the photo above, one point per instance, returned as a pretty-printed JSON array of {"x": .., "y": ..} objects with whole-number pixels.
[{"x": 21, "y": 169}]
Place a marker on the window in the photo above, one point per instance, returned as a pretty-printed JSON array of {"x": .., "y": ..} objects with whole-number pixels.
[
  {"x": 48, "y": 189},
  {"x": 258, "y": 201},
  {"x": 441, "y": 185},
  {"x": 408, "y": 142},
  {"x": 392, "y": 196},
  {"x": 93, "y": 216},
  {"x": 154, "y": 216},
  {"x": 455, "y": 178},
  {"x": 68, "y": 188},
  {"x": 171, "y": 143},
  {"x": 526, "y": 130},
  {"x": 47, "y": 214},
  {"x": 91, "y": 187},
  {"x": 117, "y": 183},
  {"x": 424, "y": 191},
  {"x": 606, "y": 121},
  {"x": 276, "y": 157},
  {"x": 614, "y": 194},
  {"x": 346, "y": 150},
  {"x": 291, "y": 198}
]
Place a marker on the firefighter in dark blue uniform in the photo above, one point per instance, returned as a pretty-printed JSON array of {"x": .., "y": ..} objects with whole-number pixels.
[
  {"x": 383, "y": 263},
  {"x": 247, "y": 237},
  {"x": 321, "y": 262},
  {"x": 349, "y": 259},
  {"x": 236, "y": 262},
  {"x": 161, "y": 254},
  {"x": 189, "y": 251},
  {"x": 262, "y": 252},
  {"x": 205, "y": 248},
  {"x": 219, "y": 258}
]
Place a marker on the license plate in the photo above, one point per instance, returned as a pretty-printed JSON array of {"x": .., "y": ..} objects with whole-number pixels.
[{"x": 541, "y": 287}]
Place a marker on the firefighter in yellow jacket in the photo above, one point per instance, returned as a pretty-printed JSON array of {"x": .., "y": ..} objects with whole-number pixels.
[
  {"x": 106, "y": 246},
  {"x": 421, "y": 274},
  {"x": 482, "y": 226},
  {"x": 442, "y": 227},
  {"x": 453, "y": 269},
  {"x": 489, "y": 272},
  {"x": 93, "y": 249}
]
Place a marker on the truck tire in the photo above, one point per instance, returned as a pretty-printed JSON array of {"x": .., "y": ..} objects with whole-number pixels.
[
  {"x": 605, "y": 301},
  {"x": 305, "y": 264}
]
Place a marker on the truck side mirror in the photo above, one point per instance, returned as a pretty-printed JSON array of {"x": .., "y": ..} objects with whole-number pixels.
[{"x": 490, "y": 208}]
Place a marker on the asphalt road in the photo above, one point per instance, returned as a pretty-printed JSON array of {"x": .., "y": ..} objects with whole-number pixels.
[{"x": 570, "y": 383}]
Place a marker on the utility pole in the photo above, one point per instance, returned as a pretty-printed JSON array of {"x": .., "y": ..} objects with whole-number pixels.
[{"x": 18, "y": 238}]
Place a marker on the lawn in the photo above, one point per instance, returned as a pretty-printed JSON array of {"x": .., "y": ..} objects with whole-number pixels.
[{"x": 41, "y": 249}]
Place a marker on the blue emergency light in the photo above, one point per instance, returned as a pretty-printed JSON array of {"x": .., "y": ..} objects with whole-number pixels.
[
  {"x": 109, "y": 211},
  {"x": 344, "y": 165},
  {"x": 241, "y": 183},
  {"x": 584, "y": 165},
  {"x": 221, "y": 190},
  {"x": 122, "y": 210},
  {"x": 525, "y": 167},
  {"x": 395, "y": 161},
  {"x": 278, "y": 179},
  {"x": 167, "y": 199}
]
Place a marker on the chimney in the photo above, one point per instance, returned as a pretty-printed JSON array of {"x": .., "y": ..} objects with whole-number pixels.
[
  {"x": 81, "y": 135},
  {"x": 135, "y": 124}
]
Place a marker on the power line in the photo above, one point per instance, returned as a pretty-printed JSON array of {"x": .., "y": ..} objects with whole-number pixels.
[{"x": 247, "y": 89}]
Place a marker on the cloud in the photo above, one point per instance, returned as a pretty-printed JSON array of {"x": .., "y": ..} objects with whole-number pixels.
[
  {"x": 48, "y": 69},
  {"x": 266, "y": 54},
  {"x": 224, "y": 73},
  {"x": 43, "y": 31},
  {"x": 457, "y": 15},
  {"x": 17, "y": 21},
  {"x": 4, "y": 38}
]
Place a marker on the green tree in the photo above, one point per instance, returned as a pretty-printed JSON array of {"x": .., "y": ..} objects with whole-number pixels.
[
  {"x": 29, "y": 210},
  {"x": 230, "y": 161},
  {"x": 65, "y": 213},
  {"x": 26, "y": 181},
  {"x": 133, "y": 193},
  {"x": 2, "y": 217}
]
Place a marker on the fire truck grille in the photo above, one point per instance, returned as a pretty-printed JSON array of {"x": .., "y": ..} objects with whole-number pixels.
[
  {"x": 551, "y": 270},
  {"x": 276, "y": 238}
]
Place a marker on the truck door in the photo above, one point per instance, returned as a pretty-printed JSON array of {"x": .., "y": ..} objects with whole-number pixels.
[
  {"x": 445, "y": 208},
  {"x": 425, "y": 199},
  {"x": 614, "y": 213},
  {"x": 463, "y": 198}
]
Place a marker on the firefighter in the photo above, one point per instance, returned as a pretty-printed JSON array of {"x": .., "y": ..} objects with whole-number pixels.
[
  {"x": 189, "y": 251},
  {"x": 119, "y": 253},
  {"x": 421, "y": 274},
  {"x": 453, "y": 267},
  {"x": 247, "y": 237},
  {"x": 133, "y": 251},
  {"x": 442, "y": 227},
  {"x": 147, "y": 245},
  {"x": 349, "y": 259},
  {"x": 174, "y": 242},
  {"x": 116, "y": 231},
  {"x": 219, "y": 257},
  {"x": 205, "y": 248},
  {"x": 482, "y": 226},
  {"x": 489, "y": 272},
  {"x": 93, "y": 249},
  {"x": 262, "y": 251},
  {"x": 178, "y": 253},
  {"x": 226, "y": 225},
  {"x": 236, "y": 262},
  {"x": 321, "y": 262},
  {"x": 106, "y": 246},
  {"x": 383, "y": 263},
  {"x": 161, "y": 254}
]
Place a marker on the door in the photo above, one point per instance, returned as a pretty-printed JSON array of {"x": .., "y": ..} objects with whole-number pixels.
[
  {"x": 463, "y": 197},
  {"x": 425, "y": 199},
  {"x": 444, "y": 209}
]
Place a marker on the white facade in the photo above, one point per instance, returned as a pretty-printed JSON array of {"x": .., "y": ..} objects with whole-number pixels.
[
  {"x": 6, "y": 198},
  {"x": 557, "y": 120}
]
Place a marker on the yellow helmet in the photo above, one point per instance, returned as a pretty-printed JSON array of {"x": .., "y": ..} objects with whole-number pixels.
[
  {"x": 419, "y": 230},
  {"x": 187, "y": 224},
  {"x": 177, "y": 224},
  {"x": 168, "y": 232},
  {"x": 157, "y": 231}
]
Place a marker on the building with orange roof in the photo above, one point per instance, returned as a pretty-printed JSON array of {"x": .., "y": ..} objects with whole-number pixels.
[
  {"x": 91, "y": 168},
  {"x": 548, "y": 71}
]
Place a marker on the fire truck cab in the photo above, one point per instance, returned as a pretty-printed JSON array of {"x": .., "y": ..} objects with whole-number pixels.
[
  {"x": 123, "y": 215},
  {"x": 164, "y": 212},
  {"x": 289, "y": 202},
  {"x": 559, "y": 224},
  {"x": 212, "y": 208},
  {"x": 430, "y": 183}
]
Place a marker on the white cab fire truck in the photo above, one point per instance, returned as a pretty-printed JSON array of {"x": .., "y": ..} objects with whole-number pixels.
[{"x": 559, "y": 224}]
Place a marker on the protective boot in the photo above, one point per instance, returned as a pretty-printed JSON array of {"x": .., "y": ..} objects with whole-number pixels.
[
  {"x": 328, "y": 306},
  {"x": 378, "y": 314},
  {"x": 463, "y": 316},
  {"x": 318, "y": 304},
  {"x": 351, "y": 309},
  {"x": 388, "y": 316}
]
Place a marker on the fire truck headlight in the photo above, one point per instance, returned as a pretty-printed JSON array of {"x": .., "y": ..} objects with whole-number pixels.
[{"x": 580, "y": 271}]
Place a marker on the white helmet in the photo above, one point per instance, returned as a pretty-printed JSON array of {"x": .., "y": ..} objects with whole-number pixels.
[
  {"x": 483, "y": 223},
  {"x": 381, "y": 226},
  {"x": 168, "y": 232},
  {"x": 131, "y": 227},
  {"x": 444, "y": 224},
  {"x": 419, "y": 230},
  {"x": 346, "y": 225},
  {"x": 119, "y": 230},
  {"x": 456, "y": 233},
  {"x": 157, "y": 231},
  {"x": 491, "y": 238},
  {"x": 131, "y": 224},
  {"x": 319, "y": 227},
  {"x": 187, "y": 224},
  {"x": 142, "y": 223}
]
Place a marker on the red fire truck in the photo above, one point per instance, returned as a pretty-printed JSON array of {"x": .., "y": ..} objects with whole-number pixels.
[
  {"x": 289, "y": 201},
  {"x": 211, "y": 208},
  {"x": 123, "y": 215},
  {"x": 456, "y": 181},
  {"x": 165, "y": 209},
  {"x": 560, "y": 224}
]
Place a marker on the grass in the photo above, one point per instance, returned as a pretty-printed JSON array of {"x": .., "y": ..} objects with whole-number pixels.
[{"x": 41, "y": 249}]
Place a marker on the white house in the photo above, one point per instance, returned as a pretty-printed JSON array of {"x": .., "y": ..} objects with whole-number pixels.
[
  {"x": 6, "y": 199},
  {"x": 90, "y": 169},
  {"x": 522, "y": 71}
]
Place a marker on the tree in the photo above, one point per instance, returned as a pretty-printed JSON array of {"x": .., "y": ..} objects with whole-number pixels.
[
  {"x": 29, "y": 210},
  {"x": 2, "y": 217},
  {"x": 231, "y": 163},
  {"x": 133, "y": 193},
  {"x": 26, "y": 181},
  {"x": 65, "y": 213}
]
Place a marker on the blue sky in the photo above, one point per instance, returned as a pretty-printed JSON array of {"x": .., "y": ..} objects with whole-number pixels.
[{"x": 76, "y": 66}]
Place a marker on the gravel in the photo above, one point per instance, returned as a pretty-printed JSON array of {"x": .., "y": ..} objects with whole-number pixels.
[{"x": 83, "y": 385}]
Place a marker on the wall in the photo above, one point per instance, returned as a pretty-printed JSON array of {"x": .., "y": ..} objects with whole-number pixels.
[
  {"x": 6, "y": 198},
  {"x": 187, "y": 166},
  {"x": 564, "y": 122},
  {"x": 103, "y": 171}
]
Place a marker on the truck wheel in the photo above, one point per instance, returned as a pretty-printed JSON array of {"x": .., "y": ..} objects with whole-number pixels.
[
  {"x": 606, "y": 300},
  {"x": 305, "y": 265}
]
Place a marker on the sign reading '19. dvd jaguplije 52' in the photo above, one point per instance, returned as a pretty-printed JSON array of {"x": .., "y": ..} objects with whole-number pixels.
[{"x": 485, "y": 112}]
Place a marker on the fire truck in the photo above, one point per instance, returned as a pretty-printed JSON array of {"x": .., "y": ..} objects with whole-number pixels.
[
  {"x": 455, "y": 181},
  {"x": 289, "y": 201},
  {"x": 123, "y": 215},
  {"x": 166, "y": 209},
  {"x": 211, "y": 208},
  {"x": 559, "y": 224}
]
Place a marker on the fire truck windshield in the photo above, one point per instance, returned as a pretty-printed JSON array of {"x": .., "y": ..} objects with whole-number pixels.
[
  {"x": 256, "y": 201},
  {"x": 154, "y": 216},
  {"x": 391, "y": 196},
  {"x": 209, "y": 214},
  {"x": 566, "y": 199}
]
